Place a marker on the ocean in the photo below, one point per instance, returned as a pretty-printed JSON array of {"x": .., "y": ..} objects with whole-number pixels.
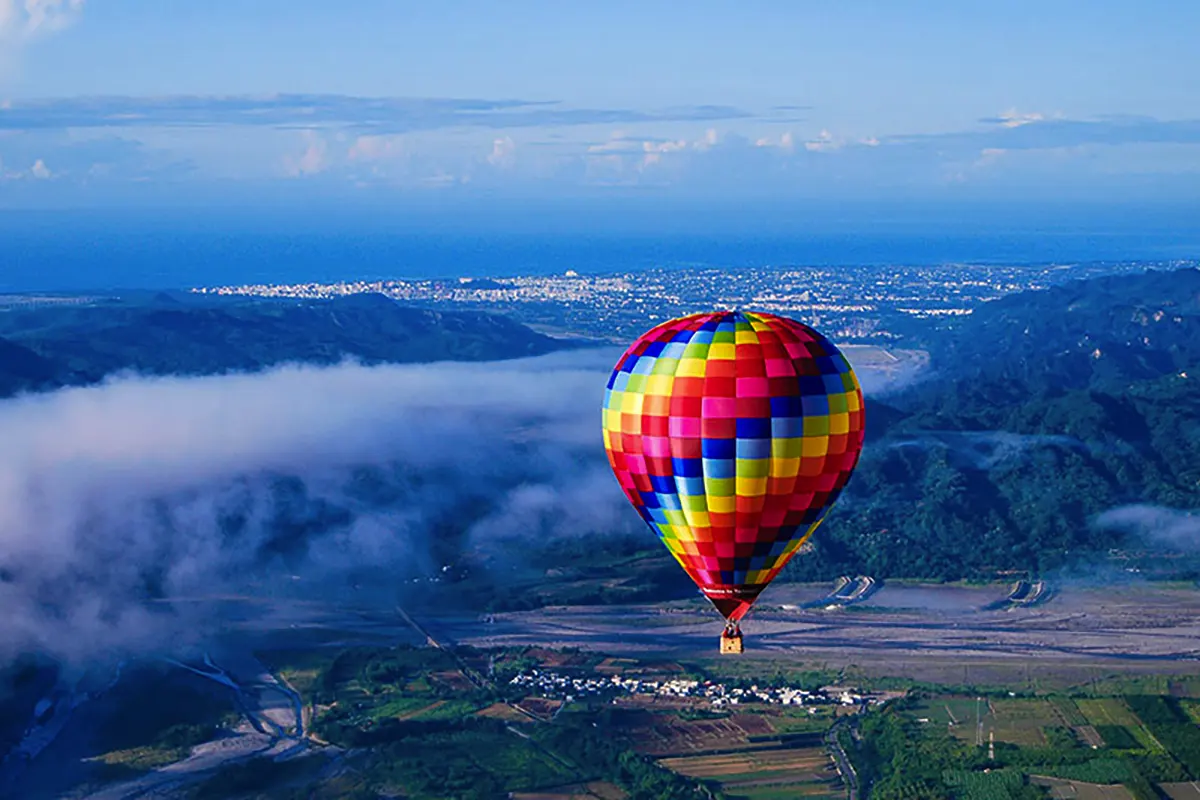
[{"x": 95, "y": 257}]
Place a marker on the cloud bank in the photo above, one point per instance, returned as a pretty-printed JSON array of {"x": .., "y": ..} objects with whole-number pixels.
[
  {"x": 146, "y": 489},
  {"x": 157, "y": 488},
  {"x": 103, "y": 145},
  {"x": 377, "y": 115}
]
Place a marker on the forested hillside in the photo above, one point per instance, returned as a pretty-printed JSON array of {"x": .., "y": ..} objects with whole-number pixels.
[
  {"x": 1046, "y": 409},
  {"x": 44, "y": 346}
]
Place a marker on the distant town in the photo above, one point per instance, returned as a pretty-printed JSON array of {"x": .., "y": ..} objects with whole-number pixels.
[{"x": 861, "y": 304}]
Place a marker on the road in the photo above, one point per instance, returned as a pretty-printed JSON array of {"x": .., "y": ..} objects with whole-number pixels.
[
  {"x": 845, "y": 766},
  {"x": 480, "y": 682}
]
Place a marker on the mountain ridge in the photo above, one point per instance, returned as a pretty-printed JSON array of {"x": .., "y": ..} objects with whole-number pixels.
[{"x": 45, "y": 347}]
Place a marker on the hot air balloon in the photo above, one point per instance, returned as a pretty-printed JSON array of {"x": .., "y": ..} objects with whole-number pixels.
[{"x": 733, "y": 433}]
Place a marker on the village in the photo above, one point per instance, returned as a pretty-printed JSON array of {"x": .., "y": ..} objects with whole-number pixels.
[{"x": 549, "y": 684}]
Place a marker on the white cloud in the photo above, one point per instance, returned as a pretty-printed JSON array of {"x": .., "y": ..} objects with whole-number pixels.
[
  {"x": 313, "y": 160},
  {"x": 504, "y": 153},
  {"x": 618, "y": 142},
  {"x": 623, "y": 153},
  {"x": 665, "y": 147},
  {"x": 654, "y": 151},
  {"x": 1157, "y": 524},
  {"x": 103, "y": 489},
  {"x": 824, "y": 143},
  {"x": 1015, "y": 119},
  {"x": 24, "y": 19},
  {"x": 37, "y": 171},
  {"x": 377, "y": 148},
  {"x": 786, "y": 142}
]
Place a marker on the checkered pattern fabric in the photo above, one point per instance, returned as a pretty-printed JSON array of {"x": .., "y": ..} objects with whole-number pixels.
[{"x": 732, "y": 434}]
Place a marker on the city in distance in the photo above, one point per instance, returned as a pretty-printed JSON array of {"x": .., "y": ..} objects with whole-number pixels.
[{"x": 623, "y": 402}]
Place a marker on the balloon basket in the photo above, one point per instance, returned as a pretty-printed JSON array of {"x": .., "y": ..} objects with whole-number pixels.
[{"x": 731, "y": 643}]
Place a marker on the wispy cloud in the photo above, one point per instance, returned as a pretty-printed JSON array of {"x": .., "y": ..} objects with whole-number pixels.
[
  {"x": 1015, "y": 119},
  {"x": 61, "y": 155},
  {"x": 408, "y": 143},
  {"x": 372, "y": 148},
  {"x": 1034, "y": 131},
  {"x": 375, "y": 115},
  {"x": 26, "y": 19},
  {"x": 1155, "y": 524},
  {"x": 314, "y": 158}
]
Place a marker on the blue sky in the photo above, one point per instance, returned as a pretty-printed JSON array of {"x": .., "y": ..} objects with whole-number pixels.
[{"x": 115, "y": 101}]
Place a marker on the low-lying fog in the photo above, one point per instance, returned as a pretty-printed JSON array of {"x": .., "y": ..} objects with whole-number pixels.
[{"x": 172, "y": 487}]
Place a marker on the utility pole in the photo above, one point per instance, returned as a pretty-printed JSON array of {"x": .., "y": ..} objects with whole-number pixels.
[{"x": 978, "y": 723}]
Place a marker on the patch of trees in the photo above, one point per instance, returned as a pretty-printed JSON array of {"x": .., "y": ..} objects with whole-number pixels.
[
  {"x": 1172, "y": 727},
  {"x": 598, "y": 754}
]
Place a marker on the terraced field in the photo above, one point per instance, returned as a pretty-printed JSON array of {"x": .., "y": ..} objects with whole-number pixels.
[
  {"x": 664, "y": 735},
  {"x": 800, "y": 772}
]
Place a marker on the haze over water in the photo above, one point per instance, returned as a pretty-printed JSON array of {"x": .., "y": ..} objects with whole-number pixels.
[{"x": 61, "y": 252}]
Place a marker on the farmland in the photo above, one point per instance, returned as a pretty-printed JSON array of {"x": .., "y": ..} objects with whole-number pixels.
[
  {"x": 1103, "y": 738},
  {"x": 799, "y": 772},
  {"x": 1182, "y": 791},
  {"x": 429, "y": 724},
  {"x": 1085, "y": 696},
  {"x": 1059, "y": 789},
  {"x": 1069, "y": 745}
]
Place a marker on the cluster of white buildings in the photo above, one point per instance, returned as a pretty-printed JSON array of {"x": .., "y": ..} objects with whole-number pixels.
[
  {"x": 570, "y": 287},
  {"x": 553, "y": 684}
]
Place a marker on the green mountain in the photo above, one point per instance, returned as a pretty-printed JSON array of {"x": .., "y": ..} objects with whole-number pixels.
[
  {"x": 1047, "y": 409},
  {"x": 45, "y": 346},
  {"x": 22, "y": 368},
  {"x": 1102, "y": 333}
]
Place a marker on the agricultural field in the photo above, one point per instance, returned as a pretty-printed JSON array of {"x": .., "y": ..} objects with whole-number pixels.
[
  {"x": 798, "y": 720},
  {"x": 1018, "y": 721},
  {"x": 796, "y": 772},
  {"x": 1023, "y": 721},
  {"x": 999, "y": 784},
  {"x": 1181, "y": 791},
  {"x": 1129, "y": 747},
  {"x": 1117, "y": 725},
  {"x": 662, "y": 734},
  {"x": 1059, "y": 789},
  {"x": 950, "y": 712},
  {"x": 425, "y": 722},
  {"x": 596, "y": 790}
]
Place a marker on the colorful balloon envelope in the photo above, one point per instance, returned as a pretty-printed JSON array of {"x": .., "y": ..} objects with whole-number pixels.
[{"x": 732, "y": 434}]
